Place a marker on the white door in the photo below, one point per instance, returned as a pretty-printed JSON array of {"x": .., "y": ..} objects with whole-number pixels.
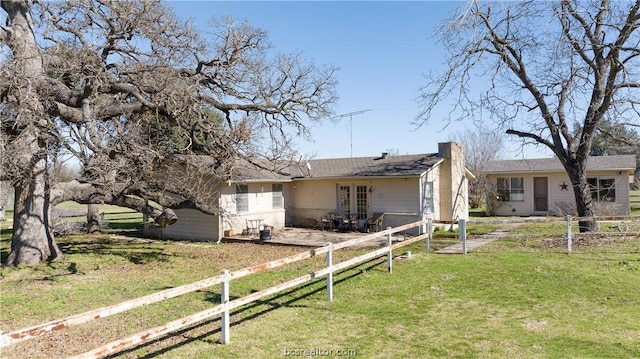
[{"x": 353, "y": 198}]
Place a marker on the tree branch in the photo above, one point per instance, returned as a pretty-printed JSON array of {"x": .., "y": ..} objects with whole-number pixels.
[
  {"x": 4, "y": 34},
  {"x": 531, "y": 136}
]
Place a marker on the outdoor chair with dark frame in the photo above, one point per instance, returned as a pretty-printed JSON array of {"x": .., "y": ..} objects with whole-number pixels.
[
  {"x": 326, "y": 222},
  {"x": 351, "y": 222},
  {"x": 375, "y": 222},
  {"x": 348, "y": 222}
]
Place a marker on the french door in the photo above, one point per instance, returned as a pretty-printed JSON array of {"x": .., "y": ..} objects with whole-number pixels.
[{"x": 353, "y": 198}]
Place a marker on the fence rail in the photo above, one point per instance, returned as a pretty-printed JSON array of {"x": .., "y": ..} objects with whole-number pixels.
[
  {"x": 614, "y": 226},
  {"x": 226, "y": 306},
  {"x": 552, "y": 219},
  {"x": 132, "y": 214}
]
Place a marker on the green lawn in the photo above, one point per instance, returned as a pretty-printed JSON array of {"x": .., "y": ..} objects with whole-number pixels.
[
  {"x": 115, "y": 217},
  {"x": 511, "y": 298},
  {"x": 634, "y": 199}
]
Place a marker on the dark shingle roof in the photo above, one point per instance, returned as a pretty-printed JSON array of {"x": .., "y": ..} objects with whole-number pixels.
[
  {"x": 594, "y": 163},
  {"x": 394, "y": 166},
  {"x": 256, "y": 174},
  {"x": 389, "y": 166},
  {"x": 240, "y": 171}
]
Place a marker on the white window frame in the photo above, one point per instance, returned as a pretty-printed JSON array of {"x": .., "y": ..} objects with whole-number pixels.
[{"x": 512, "y": 192}]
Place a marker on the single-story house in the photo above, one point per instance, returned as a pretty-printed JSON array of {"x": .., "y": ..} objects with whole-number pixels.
[
  {"x": 404, "y": 189},
  {"x": 526, "y": 187}
]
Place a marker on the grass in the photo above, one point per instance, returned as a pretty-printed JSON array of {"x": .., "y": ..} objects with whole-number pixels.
[
  {"x": 634, "y": 201},
  {"x": 115, "y": 218},
  {"x": 515, "y": 297}
]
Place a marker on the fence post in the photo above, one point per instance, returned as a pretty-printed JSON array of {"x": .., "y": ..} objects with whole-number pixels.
[
  {"x": 390, "y": 254},
  {"x": 224, "y": 297},
  {"x": 462, "y": 234},
  {"x": 330, "y": 274},
  {"x": 429, "y": 233},
  {"x": 569, "y": 239}
]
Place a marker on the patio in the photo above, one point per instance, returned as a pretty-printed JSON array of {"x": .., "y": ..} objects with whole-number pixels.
[{"x": 308, "y": 237}]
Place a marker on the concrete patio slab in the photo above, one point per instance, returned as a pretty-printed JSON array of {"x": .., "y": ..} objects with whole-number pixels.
[{"x": 306, "y": 237}]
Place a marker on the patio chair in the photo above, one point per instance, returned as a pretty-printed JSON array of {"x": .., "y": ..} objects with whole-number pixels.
[
  {"x": 252, "y": 226},
  {"x": 352, "y": 222},
  {"x": 326, "y": 221},
  {"x": 375, "y": 222}
]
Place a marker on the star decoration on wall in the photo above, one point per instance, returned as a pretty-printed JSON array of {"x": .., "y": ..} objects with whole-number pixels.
[{"x": 564, "y": 186}]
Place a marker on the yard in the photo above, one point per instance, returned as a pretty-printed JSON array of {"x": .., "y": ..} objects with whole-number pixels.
[{"x": 519, "y": 297}]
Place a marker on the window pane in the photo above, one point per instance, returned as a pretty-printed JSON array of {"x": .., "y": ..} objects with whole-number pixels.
[
  {"x": 428, "y": 197},
  {"x": 517, "y": 196},
  {"x": 602, "y": 189},
  {"x": 593, "y": 188},
  {"x": 344, "y": 197},
  {"x": 607, "y": 189},
  {"x": 517, "y": 189},
  {"x": 276, "y": 191},
  {"x": 503, "y": 183},
  {"x": 517, "y": 183},
  {"x": 361, "y": 202},
  {"x": 242, "y": 198},
  {"x": 503, "y": 189}
]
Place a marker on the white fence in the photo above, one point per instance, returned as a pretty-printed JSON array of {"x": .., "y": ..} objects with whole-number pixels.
[{"x": 226, "y": 305}]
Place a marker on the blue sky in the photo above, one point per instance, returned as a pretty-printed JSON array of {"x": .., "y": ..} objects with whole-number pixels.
[{"x": 383, "y": 50}]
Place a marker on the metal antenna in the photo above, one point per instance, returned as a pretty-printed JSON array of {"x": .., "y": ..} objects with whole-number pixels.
[{"x": 350, "y": 115}]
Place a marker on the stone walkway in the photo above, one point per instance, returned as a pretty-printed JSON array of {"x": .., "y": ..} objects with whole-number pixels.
[{"x": 478, "y": 241}]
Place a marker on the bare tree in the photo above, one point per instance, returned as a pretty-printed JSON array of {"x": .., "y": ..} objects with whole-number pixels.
[
  {"x": 125, "y": 87},
  {"x": 543, "y": 66},
  {"x": 480, "y": 147}
]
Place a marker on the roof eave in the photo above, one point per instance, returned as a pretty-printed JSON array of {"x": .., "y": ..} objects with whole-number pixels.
[{"x": 355, "y": 177}]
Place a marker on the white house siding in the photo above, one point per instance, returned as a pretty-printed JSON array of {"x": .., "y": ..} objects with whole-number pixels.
[
  {"x": 398, "y": 198},
  {"x": 558, "y": 198},
  {"x": 310, "y": 201},
  {"x": 191, "y": 225},
  {"x": 401, "y": 195},
  {"x": 260, "y": 207}
]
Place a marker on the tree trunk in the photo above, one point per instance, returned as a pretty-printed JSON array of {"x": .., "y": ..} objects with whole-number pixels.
[
  {"x": 93, "y": 219},
  {"x": 584, "y": 203},
  {"x": 32, "y": 241}
]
